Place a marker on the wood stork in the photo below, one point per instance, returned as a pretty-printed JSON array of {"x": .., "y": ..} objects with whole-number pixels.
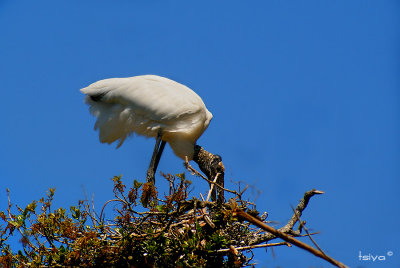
[{"x": 150, "y": 106}]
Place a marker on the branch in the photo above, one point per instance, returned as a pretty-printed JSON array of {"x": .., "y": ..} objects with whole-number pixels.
[
  {"x": 288, "y": 227},
  {"x": 257, "y": 246},
  {"x": 299, "y": 210},
  {"x": 302, "y": 226}
]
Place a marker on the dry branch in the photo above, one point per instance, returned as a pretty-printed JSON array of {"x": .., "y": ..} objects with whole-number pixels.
[{"x": 281, "y": 233}]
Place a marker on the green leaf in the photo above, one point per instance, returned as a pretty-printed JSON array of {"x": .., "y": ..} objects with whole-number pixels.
[
  {"x": 116, "y": 178},
  {"x": 20, "y": 219},
  {"x": 137, "y": 184},
  {"x": 32, "y": 206},
  {"x": 15, "y": 224},
  {"x": 51, "y": 192},
  {"x": 161, "y": 208},
  {"x": 76, "y": 213},
  {"x": 182, "y": 176}
]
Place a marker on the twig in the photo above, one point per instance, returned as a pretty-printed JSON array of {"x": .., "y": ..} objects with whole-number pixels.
[
  {"x": 299, "y": 209},
  {"x": 112, "y": 200},
  {"x": 13, "y": 219},
  {"x": 288, "y": 228},
  {"x": 211, "y": 188},
  {"x": 245, "y": 216},
  {"x": 308, "y": 233},
  {"x": 195, "y": 172},
  {"x": 257, "y": 246}
]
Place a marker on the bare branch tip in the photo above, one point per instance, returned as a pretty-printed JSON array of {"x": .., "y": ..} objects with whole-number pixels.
[{"x": 314, "y": 191}]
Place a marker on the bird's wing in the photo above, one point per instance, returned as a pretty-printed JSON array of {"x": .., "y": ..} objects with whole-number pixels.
[
  {"x": 142, "y": 104},
  {"x": 156, "y": 97}
]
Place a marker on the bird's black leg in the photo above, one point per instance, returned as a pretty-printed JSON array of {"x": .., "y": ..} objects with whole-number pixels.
[
  {"x": 160, "y": 151},
  {"x": 152, "y": 168}
]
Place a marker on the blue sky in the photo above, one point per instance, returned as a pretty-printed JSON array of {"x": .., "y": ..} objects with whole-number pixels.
[{"x": 304, "y": 95}]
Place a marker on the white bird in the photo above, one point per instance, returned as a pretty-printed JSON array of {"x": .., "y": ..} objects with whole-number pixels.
[{"x": 150, "y": 106}]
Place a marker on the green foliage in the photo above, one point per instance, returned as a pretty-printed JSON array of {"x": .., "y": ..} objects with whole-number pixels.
[{"x": 146, "y": 231}]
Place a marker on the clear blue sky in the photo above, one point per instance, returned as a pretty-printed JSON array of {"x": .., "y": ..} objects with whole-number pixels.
[{"x": 305, "y": 94}]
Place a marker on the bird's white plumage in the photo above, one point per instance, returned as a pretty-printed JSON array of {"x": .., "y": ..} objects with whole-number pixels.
[{"x": 144, "y": 105}]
